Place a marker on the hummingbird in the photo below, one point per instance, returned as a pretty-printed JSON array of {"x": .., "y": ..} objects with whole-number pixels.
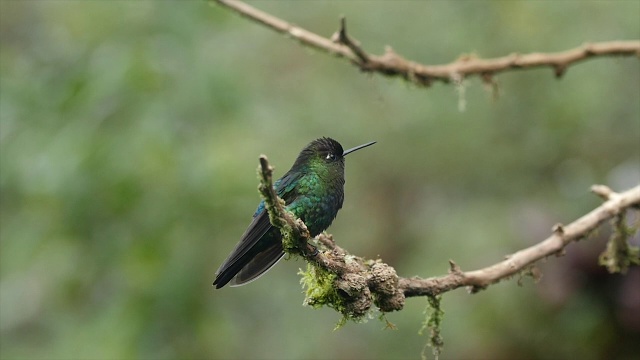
[{"x": 313, "y": 190}]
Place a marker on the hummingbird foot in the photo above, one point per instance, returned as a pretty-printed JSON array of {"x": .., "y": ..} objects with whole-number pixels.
[{"x": 312, "y": 250}]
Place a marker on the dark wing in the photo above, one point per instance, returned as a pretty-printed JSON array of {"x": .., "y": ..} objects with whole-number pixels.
[
  {"x": 252, "y": 257},
  {"x": 259, "y": 263}
]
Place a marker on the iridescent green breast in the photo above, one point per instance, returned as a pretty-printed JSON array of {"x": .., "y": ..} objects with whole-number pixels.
[{"x": 318, "y": 201}]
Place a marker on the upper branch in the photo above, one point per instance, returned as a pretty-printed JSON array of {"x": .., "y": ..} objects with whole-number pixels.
[{"x": 392, "y": 64}]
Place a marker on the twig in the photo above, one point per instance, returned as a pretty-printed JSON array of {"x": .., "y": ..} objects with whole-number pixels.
[
  {"x": 343, "y": 38},
  {"x": 365, "y": 281},
  {"x": 392, "y": 64}
]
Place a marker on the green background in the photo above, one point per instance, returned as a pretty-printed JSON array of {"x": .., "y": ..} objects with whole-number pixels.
[{"x": 130, "y": 135}]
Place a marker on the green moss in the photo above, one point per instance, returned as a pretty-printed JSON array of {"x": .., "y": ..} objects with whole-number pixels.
[
  {"x": 432, "y": 321},
  {"x": 289, "y": 241},
  {"x": 388, "y": 324},
  {"x": 620, "y": 254},
  {"x": 320, "y": 290}
]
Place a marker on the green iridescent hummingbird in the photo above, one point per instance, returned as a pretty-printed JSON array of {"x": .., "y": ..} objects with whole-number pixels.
[{"x": 313, "y": 189}]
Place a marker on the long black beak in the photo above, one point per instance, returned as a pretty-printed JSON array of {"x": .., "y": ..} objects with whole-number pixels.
[{"x": 357, "y": 148}]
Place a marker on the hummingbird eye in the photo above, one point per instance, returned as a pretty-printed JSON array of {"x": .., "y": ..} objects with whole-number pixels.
[{"x": 330, "y": 156}]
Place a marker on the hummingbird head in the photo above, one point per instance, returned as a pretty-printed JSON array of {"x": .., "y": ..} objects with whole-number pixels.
[{"x": 325, "y": 153}]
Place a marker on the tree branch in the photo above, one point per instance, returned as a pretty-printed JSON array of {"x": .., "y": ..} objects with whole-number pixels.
[
  {"x": 515, "y": 263},
  {"x": 356, "y": 283},
  {"x": 392, "y": 64}
]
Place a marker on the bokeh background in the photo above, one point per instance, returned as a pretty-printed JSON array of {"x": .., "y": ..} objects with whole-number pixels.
[{"x": 130, "y": 133}]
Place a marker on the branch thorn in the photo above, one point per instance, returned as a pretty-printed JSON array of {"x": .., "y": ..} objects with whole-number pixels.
[
  {"x": 603, "y": 191},
  {"x": 558, "y": 229},
  {"x": 559, "y": 70},
  {"x": 352, "y": 44},
  {"x": 454, "y": 268}
]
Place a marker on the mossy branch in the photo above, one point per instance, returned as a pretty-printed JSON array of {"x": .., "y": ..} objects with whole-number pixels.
[
  {"x": 357, "y": 283},
  {"x": 334, "y": 278}
]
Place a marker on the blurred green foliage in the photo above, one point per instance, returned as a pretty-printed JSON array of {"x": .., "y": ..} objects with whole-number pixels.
[{"x": 130, "y": 133}]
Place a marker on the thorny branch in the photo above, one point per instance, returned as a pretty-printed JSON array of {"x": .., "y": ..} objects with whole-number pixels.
[
  {"x": 392, "y": 64},
  {"x": 366, "y": 281}
]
